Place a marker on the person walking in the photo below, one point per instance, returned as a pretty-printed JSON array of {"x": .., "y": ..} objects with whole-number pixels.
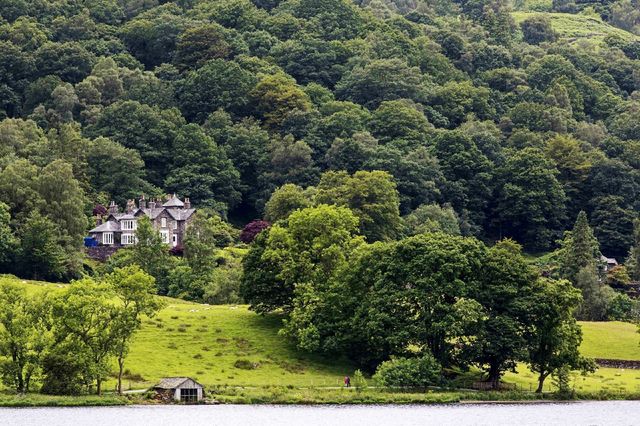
[{"x": 347, "y": 381}]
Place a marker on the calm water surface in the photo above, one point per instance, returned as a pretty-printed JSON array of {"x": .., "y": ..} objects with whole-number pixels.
[{"x": 579, "y": 413}]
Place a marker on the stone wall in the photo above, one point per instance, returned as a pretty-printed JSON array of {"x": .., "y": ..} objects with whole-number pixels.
[{"x": 101, "y": 253}]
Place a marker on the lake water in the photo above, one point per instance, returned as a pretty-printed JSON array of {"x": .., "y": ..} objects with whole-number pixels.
[{"x": 578, "y": 413}]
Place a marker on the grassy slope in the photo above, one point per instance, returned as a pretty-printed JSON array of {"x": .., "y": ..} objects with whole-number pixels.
[
  {"x": 578, "y": 27},
  {"x": 613, "y": 340},
  {"x": 204, "y": 342}
]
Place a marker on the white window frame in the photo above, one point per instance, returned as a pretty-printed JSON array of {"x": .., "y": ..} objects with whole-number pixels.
[
  {"x": 174, "y": 239},
  {"x": 107, "y": 238},
  {"x": 164, "y": 236},
  {"x": 127, "y": 239},
  {"x": 129, "y": 225},
  {"x": 175, "y": 224},
  {"x": 163, "y": 222}
]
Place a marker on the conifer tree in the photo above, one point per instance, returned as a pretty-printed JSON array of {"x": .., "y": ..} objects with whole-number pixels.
[
  {"x": 581, "y": 247},
  {"x": 633, "y": 261}
]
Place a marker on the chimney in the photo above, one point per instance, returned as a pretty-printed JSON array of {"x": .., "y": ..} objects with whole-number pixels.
[
  {"x": 142, "y": 203},
  {"x": 187, "y": 203},
  {"x": 113, "y": 209},
  {"x": 130, "y": 206},
  {"x": 98, "y": 220},
  {"x": 152, "y": 204}
]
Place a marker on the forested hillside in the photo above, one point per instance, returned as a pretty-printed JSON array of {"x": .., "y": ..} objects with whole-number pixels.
[
  {"x": 419, "y": 186},
  {"x": 503, "y": 129}
]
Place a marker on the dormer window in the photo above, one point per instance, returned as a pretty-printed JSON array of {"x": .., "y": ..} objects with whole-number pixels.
[{"x": 129, "y": 225}]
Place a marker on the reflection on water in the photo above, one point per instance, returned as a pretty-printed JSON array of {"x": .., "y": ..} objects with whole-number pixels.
[{"x": 579, "y": 413}]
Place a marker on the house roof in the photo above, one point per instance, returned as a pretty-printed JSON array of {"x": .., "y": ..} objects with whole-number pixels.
[
  {"x": 181, "y": 214},
  {"x": 173, "y": 382},
  {"x": 152, "y": 213},
  {"x": 108, "y": 226},
  {"x": 609, "y": 260},
  {"x": 173, "y": 202}
]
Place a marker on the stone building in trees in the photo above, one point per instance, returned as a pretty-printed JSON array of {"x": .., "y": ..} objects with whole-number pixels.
[{"x": 117, "y": 229}]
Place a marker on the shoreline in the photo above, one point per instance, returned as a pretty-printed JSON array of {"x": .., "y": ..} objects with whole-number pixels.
[{"x": 318, "y": 398}]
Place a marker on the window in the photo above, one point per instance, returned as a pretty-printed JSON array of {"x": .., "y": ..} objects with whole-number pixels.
[
  {"x": 175, "y": 224},
  {"x": 174, "y": 239},
  {"x": 129, "y": 225},
  {"x": 107, "y": 238},
  {"x": 189, "y": 395},
  {"x": 127, "y": 239},
  {"x": 163, "y": 222},
  {"x": 164, "y": 236}
]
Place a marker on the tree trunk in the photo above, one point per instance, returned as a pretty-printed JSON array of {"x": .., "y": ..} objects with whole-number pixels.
[
  {"x": 121, "y": 368},
  {"x": 541, "y": 379},
  {"x": 494, "y": 376},
  {"x": 98, "y": 386},
  {"x": 18, "y": 374},
  {"x": 27, "y": 382}
]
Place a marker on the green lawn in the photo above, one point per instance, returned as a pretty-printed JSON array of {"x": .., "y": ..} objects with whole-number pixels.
[
  {"x": 577, "y": 27},
  {"x": 612, "y": 340},
  {"x": 605, "y": 379}
]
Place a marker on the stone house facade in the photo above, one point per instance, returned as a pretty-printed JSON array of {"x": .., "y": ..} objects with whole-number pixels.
[{"x": 117, "y": 229}]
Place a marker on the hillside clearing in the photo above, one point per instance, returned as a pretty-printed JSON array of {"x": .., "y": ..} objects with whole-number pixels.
[{"x": 577, "y": 27}]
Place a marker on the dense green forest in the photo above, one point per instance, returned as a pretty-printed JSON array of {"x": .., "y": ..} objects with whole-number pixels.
[{"x": 347, "y": 159}]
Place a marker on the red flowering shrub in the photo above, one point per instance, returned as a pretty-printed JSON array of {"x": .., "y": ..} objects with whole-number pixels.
[{"x": 252, "y": 229}]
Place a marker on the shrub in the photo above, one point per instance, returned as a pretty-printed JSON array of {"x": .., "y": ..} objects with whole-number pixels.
[
  {"x": 63, "y": 373},
  {"x": 623, "y": 308},
  {"x": 537, "y": 30},
  {"x": 409, "y": 372},
  {"x": 245, "y": 364},
  {"x": 359, "y": 381},
  {"x": 253, "y": 228}
]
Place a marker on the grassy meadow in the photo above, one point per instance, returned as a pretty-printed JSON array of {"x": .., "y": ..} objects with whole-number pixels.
[
  {"x": 611, "y": 340},
  {"x": 224, "y": 345},
  {"x": 577, "y": 27},
  {"x": 240, "y": 357}
]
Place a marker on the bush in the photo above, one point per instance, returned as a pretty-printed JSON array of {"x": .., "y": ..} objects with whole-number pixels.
[
  {"x": 537, "y": 30},
  {"x": 63, "y": 374},
  {"x": 623, "y": 308},
  {"x": 224, "y": 286},
  {"x": 409, "y": 372},
  {"x": 359, "y": 382},
  {"x": 245, "y": 364},
  {"x": 251, "y": 231}
]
